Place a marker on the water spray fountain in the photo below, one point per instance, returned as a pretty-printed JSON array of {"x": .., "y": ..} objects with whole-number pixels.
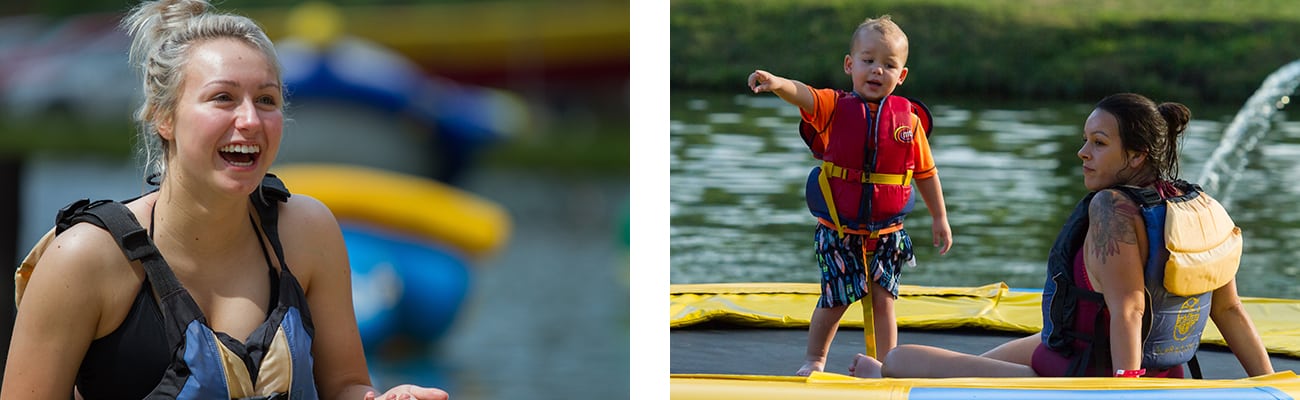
[{"x": 1252, "y": 122}]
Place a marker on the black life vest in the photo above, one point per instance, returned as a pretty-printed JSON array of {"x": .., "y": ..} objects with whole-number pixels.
[{"x": 275, "y": 362}]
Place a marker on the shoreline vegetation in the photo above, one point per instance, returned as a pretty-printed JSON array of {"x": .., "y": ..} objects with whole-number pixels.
[{"x": 1195, "y": 51}]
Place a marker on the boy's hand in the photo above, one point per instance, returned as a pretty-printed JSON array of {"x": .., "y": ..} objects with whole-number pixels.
[
  {"x": 942, "y": 235},
  {"x": 762, "y": 81},
  {"x": 791, "y": 91}
]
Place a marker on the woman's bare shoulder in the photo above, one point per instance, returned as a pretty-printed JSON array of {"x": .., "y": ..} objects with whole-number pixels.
[
  {"x": 311, "y": 237},
  {"x": 1110, "y": 203},
  {"x": 86, "y": 254},
  {"x": 305, "y": 214},
  {"x": 84, "y": 260},
  {"x": 83, "y": 248}
]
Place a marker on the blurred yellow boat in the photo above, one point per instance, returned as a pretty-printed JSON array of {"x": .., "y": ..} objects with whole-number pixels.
[{"x": 404, "y": 203}]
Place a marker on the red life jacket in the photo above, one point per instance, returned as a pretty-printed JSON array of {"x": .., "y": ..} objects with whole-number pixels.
[{"x": 864, "y": 185}]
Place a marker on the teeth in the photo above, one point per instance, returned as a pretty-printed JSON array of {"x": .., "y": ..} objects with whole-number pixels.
[{"x": 241, "y": 148}]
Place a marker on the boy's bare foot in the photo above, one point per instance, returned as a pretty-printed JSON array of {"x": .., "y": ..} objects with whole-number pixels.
[
  {"x": 809, "y": 367},
  {"x": 865, "y": 367}
]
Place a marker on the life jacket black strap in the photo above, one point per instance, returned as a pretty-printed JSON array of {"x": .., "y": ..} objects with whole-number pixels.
[
  {"x": 267, "y": 203},
  {"x": 1194, "y": 367},
  {"x": 1066, "y": 299},
  {"x": 1143, "y": 196},
  {"x": 131, "y": 237}
]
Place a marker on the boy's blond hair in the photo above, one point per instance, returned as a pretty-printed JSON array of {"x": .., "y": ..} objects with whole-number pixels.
[{"x": 885, "y": 25}]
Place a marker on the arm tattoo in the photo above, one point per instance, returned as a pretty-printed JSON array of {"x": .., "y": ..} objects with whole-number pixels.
[{"x": 1111, "y": 223}]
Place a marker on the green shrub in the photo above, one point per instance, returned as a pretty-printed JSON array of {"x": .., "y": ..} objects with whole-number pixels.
[{"x": 1202, "y": 51}]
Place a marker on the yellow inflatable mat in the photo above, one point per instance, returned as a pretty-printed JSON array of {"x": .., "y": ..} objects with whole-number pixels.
[
  {"x": 825, "y": 386},
  {"x": 758, "y": 306},
  {"x": 992, "y": 307}
]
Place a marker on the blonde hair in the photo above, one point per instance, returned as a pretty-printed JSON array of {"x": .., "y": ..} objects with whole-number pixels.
[
  {"x": 163, "y": 32},
  {"x": 885, "y": 25}
]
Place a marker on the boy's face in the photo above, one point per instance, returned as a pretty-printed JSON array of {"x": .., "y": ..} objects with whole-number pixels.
[{"x": 876, "y": 64}]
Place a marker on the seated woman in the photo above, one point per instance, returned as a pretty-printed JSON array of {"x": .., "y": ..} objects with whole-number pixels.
[{"x": 1124, "y": 295}]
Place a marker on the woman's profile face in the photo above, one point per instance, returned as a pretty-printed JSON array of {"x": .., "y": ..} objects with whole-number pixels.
[
  {"x": 229, "y": 121},
  {"x": 1105, "y": 161}
]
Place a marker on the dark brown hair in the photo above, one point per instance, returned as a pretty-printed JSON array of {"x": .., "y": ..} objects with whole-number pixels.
[{"x": 1148, "y": 128}]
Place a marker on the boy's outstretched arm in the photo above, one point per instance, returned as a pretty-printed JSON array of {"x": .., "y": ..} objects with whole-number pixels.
[
  {"x": 932, "y": 192},
  {"x": 792, "y": 91}
]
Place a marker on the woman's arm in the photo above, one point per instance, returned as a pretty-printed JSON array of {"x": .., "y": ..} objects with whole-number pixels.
[
  {"x": 1234, "y": 323},
  {"x": 59, "y": 315},
  {"x": 316, "y": 243},
  {"x": 316, "y": 253},
  {"x": 1112, "y": 255}
]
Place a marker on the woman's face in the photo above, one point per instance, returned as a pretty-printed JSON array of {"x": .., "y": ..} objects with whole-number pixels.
[
  {"x": 228, "y": 122},
  {"x": 1105, "y": 161}
]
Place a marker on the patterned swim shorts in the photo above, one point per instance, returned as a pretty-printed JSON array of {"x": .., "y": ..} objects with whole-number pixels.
[{"x": 843, "y": 266}]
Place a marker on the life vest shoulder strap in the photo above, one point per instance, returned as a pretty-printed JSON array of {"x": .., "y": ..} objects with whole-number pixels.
[
  {"x": 133, "y": 239},
  {"x": 266, "y": 201}
]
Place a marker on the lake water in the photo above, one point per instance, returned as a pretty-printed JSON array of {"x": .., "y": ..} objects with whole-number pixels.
[{"x": 1010, "y": 177}]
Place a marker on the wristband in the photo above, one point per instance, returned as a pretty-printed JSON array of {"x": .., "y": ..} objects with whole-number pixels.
[{"x": 1130, "y": 373}]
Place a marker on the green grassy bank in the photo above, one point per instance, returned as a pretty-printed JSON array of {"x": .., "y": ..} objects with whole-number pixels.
[{"x": 1195, "y": 51}]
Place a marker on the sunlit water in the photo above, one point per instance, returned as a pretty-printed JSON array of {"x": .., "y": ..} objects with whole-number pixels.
[{"x": 1010, "y": 176}]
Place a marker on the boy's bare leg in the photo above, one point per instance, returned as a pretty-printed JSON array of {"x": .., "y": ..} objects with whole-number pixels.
[
  {"x": 882, "y": 314},
  {"x": 821, "y": 330}
]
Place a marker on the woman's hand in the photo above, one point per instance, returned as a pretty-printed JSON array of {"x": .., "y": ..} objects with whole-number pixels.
[{"x": 409, "y": 392}]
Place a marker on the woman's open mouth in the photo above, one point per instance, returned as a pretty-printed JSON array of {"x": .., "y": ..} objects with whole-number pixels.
[{"x": 240, "y": 155}]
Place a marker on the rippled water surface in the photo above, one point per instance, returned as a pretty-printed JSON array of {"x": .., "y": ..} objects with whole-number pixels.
[{"x": 1010, "y": 176}]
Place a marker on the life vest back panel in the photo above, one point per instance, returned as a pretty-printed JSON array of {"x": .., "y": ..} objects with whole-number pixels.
[{"x": 1172, "y": 324}]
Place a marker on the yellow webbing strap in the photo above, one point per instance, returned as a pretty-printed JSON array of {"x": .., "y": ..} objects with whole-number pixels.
[
  {"x": 850, "y": 174},
  {"x": 831, "y": 170},
  {"x": 826, "y": 194},
  {"x": 868, "y": 318},
  {"x": 868, "y": 324}
]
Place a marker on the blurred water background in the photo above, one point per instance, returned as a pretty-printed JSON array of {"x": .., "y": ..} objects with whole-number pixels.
[
  {"x": 1010, "y": 177},
  {"x": 522, "y": 104},
  {"x": 1010, "y": 86}
]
